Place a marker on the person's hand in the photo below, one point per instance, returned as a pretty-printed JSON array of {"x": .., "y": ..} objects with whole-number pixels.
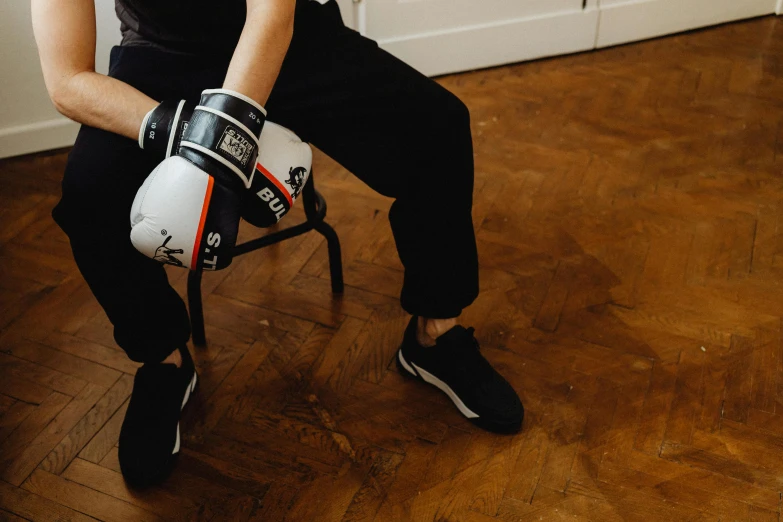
[
  {"x": 282, "y": 168},
  {"x": 190, "y": 204}
]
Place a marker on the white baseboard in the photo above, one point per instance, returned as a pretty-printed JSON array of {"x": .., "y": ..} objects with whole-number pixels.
[
  {"x": 779, "y": 8},
  {"x": 35, "y": 137},
  {"x": 642, "y": 19},
  {"x": 497, "y": 43}
]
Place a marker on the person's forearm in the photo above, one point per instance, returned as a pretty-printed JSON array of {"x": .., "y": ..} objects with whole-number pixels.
[
  {"x": 103, "y": 102},
  {"x": 261, "y": 49}
]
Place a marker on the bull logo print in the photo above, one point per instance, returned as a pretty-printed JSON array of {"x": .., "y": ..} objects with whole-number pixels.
[
  {"x": 236, "y": 146},
  {"x": 296, "y": 176},
  {"x": 165, "y": 254}
]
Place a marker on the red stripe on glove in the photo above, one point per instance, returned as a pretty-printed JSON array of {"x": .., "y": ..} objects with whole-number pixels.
[
  {"x": 271, "y": 177},
  {"x": 202, "y": 220}
]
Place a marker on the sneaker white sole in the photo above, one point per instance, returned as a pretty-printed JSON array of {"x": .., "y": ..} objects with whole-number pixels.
[
  {"x": 188, "y": 391},
  {"x": 442, "y": 386}
]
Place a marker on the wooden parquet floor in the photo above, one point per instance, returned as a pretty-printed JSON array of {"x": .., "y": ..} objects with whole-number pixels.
[{"x": 629, "y": 214}]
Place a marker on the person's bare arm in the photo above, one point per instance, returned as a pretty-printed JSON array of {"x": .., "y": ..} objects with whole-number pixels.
[
  {"x": 65, "y": 34},
  {"x": 261, "y": 49}
]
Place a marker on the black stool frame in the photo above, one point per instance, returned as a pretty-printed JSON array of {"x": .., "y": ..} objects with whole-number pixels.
[{"x": 315, "y": 211}]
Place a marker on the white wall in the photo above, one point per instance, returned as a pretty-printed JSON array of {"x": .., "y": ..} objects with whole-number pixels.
[
  {"x": 28, "y": 121},
  {"x": 348, "y": 9}
]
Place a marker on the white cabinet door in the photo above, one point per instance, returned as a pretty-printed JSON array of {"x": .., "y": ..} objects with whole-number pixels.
[
  {"x": 348, "y": 10},
  {"x": 629, "y": 20},
  {"x": 442, "y": 36}
]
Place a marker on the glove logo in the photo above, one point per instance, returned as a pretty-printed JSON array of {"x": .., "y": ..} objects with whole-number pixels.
[
  {"x": 295, "y": 180},
  {"x": 236, "y": 146},
  {"x": 165, "y": 254}
]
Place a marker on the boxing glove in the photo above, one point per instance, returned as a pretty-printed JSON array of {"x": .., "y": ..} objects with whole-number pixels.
[
  {"x": 187, "y": 211},
  {"x": 282, "y": 169},
  {"x": 163, "y": 127},
  {"x": 181, "y": 216}
]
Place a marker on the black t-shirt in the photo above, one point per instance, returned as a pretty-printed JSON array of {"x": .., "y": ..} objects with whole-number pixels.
[{"x": 182, "y": 25}]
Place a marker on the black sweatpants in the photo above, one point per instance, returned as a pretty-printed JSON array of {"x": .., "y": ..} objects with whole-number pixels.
[{"x": 401, "y": 133}]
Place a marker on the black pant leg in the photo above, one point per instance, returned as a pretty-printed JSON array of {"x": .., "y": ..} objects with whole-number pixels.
[
  {"x": 403, "y": 134},
  {"x": 103, "y": 173},
  {"x": 102, "y": 176}
]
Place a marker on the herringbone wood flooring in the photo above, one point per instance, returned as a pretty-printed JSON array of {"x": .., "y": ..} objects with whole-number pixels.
[{"x": 629, "y": 205}]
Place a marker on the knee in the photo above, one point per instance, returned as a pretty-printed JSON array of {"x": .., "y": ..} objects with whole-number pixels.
[
  {"x": 450, "y": 127},
  {"x": 456, "y": 112},
  {"x": 445, "y": 112}
]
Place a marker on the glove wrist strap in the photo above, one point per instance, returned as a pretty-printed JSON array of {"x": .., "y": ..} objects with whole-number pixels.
[
  {"x": 223, "y": 134},
  {"x": 175, "y": 134},
  {"x": 161, "y": 130},
  {"x": 143, "y": 128}
]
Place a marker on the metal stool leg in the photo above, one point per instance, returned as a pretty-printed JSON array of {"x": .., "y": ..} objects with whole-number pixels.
[
  {"x": 196, "y": 309},
  {"x": 335, "y": 255},
  {"x": 309, "y": 200},
  {"x": 315, "y": 210}
]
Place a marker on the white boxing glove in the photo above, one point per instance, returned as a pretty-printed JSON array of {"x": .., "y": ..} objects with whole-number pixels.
[
  {"x": 187, "y": 211},
  {"x": 181, "y": 216},
  {"x": 282, "y": 169}
]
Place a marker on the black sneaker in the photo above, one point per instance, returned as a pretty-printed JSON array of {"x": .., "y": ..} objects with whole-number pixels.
[
  {"x": 455, "y": 366},
  {"x": 149, "y": 438}
]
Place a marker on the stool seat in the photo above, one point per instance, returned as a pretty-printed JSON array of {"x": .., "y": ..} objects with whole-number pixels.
[{"x": 315, "y": 212}]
